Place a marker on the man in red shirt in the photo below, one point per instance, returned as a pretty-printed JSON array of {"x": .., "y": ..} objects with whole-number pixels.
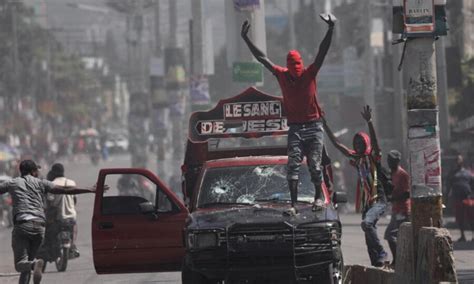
[
  {"x": 299, "y": 89},
  {"x": 400, "y": 200}
]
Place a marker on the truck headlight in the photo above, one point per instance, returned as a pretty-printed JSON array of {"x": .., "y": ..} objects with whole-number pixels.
[{"x": 202, "y": 240}]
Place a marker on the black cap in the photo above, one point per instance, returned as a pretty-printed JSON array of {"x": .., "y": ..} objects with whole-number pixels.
[
  {"x": 394, "y": 154},
  {"x": 28, "y": 166}
]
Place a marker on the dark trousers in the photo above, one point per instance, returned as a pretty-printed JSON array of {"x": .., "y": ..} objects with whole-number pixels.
[
  {"x": 369, "y": 225},
  {"x": 305, "y": 140},
  {"x": 26, "y": 240}
]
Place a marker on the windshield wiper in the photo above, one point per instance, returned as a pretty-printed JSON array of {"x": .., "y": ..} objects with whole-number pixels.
[
  {"x": 210, "y": 204},
  {"x": 278, "y": 200},
  {"x": 275, "y": 199}
]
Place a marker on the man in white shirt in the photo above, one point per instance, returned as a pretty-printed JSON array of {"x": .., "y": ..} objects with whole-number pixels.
[{"x": 63, "y": 205}]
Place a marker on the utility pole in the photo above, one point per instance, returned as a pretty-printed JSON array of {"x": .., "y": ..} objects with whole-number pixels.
[
  {"x": 445, "y": 131},
  {"x": 424, "y": 254},
  {"x": 423, "y": 138},
  {"x": 176, "y": 84},
  {"x": 422, "y": 119},
  {"x": 16, "y": 60},
  {"x": 160, "y": 110},
  {"x": 368, "y": 80},
  {"x": 291, "y": 25}
]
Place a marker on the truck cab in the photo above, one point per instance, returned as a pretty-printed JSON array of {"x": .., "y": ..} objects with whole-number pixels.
[{"x": 230, "y": 227}]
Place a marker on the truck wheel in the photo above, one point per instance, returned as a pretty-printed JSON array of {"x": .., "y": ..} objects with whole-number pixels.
[{"x": 334, "y": 274}]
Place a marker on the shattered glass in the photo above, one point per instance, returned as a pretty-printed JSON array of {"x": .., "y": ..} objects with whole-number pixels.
[{"x": 251, "y": 185}]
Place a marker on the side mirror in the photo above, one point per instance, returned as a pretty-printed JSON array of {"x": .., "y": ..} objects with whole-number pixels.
[
  {"x": 339, "y": 197},
  {"x": 147, "y": 208}
]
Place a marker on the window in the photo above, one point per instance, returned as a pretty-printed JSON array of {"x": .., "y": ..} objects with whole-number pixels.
[{"x": 126, "y": 193}]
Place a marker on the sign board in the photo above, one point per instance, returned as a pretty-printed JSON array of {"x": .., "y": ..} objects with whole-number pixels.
[
  {"x": 251, "y": 114},
  {"x": 246, "y": 5},
  {"x": 247, "y": 72},
  {"x": 264, "y": 116},
  {"x": 199, "y": 89},
  {"x": 419, "y": 18},
  {"x": 157, "y": 66}
]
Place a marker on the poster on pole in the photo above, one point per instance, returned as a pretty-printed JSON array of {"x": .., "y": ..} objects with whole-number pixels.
[
  {"x": 419, "y": 18},
  {"x": 425, "y": 163}
]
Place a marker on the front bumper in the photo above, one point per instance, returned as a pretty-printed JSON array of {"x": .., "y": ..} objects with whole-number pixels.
[{"x": 277, "y": 250}]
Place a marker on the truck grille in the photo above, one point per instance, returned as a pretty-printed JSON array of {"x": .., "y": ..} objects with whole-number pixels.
[{"x": 277, "y": 246}]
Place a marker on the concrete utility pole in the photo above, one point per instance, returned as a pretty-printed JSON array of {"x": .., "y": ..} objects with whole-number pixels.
[
  {"x": 424, "y": 253},
  {"x": 423, "y": 138},
  {"x": 369, "y": 77},
  {"x": 445, "y": 131},
  {"x": 16, "y": 60}
]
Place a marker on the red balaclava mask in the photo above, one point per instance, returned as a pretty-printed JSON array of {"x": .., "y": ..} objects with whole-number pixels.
[
  {"x": 294, "y": 63},
  {"x": 365, "y": 139}
]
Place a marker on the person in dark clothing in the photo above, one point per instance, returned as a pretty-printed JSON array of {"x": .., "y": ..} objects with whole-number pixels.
[
  {"x": 299, "y": 89},
  {"x": 371, "y": 198},
  {"x": 29, "y": 194},
  {"x": 400, "y": 199},
  {"x": 460, "y": 181}
]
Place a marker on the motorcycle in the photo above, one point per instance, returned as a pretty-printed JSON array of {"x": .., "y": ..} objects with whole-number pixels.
[{"x": 57, "y": 245}]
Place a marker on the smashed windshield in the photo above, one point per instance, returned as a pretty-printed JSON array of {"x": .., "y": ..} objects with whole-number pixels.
[{"x": 251, "y": 185}]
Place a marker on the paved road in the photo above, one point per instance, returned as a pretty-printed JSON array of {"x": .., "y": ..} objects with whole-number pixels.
[{"x": 81, "y": 270}]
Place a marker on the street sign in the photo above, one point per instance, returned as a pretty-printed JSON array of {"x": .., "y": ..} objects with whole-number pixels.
[
  {"x": 247, "y": 72},
  {"x": 419, "y": 18},
  {"x": 246, "y": 5}
]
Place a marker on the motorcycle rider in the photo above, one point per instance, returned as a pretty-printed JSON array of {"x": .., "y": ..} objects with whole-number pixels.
[{"x": 61, "y": 208}]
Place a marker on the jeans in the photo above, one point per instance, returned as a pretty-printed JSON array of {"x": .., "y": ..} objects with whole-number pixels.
[
  {"x": 305, "y": 139},
  {"x": 391, "y": 233},
  {"x": 370, "y": 217},
  {"x": 26, "y": 240}
]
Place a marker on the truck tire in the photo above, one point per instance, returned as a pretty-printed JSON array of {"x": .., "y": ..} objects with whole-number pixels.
[{"x": 334, "y": 274}]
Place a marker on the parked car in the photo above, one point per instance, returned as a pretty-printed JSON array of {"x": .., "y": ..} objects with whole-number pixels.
[
  {"x": 117, "y": 143},
  {"x": 231, "y": 225}
]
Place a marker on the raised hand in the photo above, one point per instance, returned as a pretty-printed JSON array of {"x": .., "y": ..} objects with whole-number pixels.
[
  {"x": 330, "y": 20},
  {"x": 245, "y": 29},
  {"x": 367, "y": 113}
]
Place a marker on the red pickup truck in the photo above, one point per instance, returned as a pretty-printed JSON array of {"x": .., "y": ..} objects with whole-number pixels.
[{"x": 230, "y": 228}]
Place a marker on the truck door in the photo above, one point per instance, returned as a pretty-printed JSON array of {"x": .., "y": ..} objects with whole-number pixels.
[{"x": 137, "y": 225}]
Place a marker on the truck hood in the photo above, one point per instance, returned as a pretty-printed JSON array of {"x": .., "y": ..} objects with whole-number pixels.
[{"x": 222, "y": 218}]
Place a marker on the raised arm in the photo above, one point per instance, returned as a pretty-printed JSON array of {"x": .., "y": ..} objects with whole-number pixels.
[
  {"x": 257, "y": 53},
  {"x": 325, "y": 44},
  {"x": 367, "y": 115},
  {"x": 341, "y": 147},
  {"x": 70, "y": 190}
]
